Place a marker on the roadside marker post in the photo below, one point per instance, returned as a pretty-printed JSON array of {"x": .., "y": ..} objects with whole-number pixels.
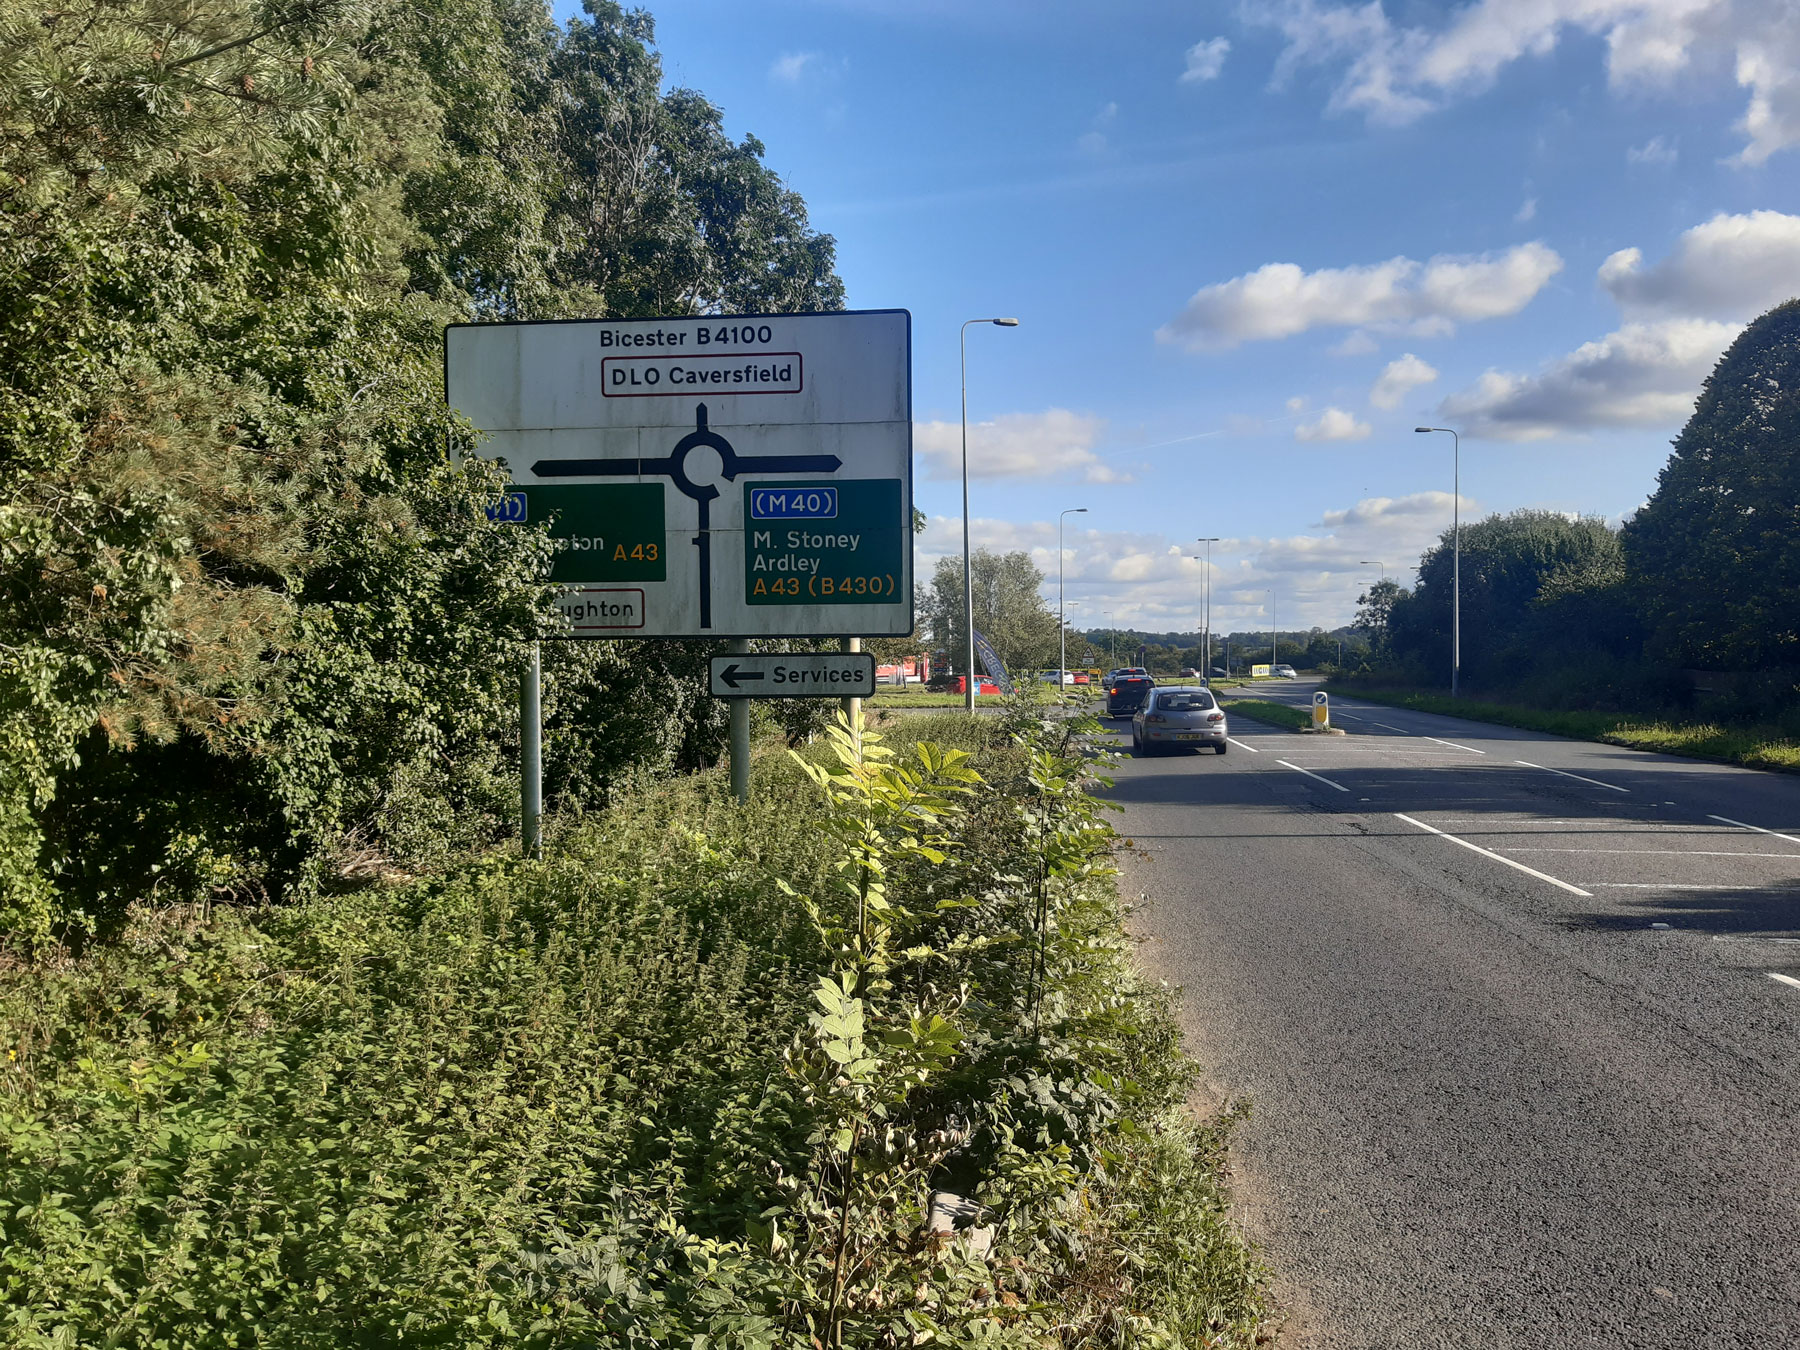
[
  {"x": 734, "y": 477},
  {"x": 1321, "y": 711}
]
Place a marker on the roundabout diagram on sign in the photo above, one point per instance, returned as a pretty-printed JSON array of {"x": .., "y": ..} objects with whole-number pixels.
[{"x": 674, "y": 467}]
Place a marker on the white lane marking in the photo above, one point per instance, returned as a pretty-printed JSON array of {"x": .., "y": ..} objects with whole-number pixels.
[
  {"x": 1488, "y": 853},
  {"x": 1674, "y": 886},
  {"x": 1454, "y": 746},
  {"x": 1402, "y": 730},
  {"x": 1785, "y": 979},
  {"x": 1349, "y": 717},
  {"x": 1577, "y": 777},
  {"x": 1646, "y": 852},
  {"x": 1727, "y": 820},
  {"x": 1240, "y": 745},
  {"x": 1310, "y": 774}
]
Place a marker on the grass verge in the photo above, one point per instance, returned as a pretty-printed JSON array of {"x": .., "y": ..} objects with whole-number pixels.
[
  {"x": 691, "y": 1080},
  {"x": 1753, "y": 747},
  {"x": 1276, "y": 714}
]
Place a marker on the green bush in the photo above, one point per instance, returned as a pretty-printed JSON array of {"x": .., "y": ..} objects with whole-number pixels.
[{"x": 694, "y": 1076}]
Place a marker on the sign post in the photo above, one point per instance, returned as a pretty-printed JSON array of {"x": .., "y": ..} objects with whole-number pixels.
[
  {"x": 706, "y": 477},
  {"x": 1321, "y": 711}
]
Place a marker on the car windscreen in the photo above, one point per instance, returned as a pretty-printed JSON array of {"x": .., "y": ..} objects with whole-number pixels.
[{"x": 1184, "y": 703}]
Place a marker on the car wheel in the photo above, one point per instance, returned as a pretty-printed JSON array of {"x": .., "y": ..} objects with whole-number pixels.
[{"x": 1220, "y": 748}]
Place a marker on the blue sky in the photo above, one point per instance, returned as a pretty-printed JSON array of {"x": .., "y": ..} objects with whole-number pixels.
[{"x": 1251, "y": 245}]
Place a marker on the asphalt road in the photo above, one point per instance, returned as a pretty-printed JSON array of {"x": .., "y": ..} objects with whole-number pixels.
[{"x": 1507, "y": 1011}]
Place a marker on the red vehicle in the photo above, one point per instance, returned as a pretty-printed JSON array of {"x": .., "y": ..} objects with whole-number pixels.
[{"x": 959, "y": 684}]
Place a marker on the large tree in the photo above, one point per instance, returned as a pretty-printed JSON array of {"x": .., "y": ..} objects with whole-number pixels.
[
  {"x": 1512, "y": 566},
  {"x": 1715, "y": 552},
  {"x": 254, "y": 627},
  {"x": 1009, "y": 610}
]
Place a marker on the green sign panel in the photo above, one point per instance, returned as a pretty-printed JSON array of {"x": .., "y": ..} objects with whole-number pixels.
[
  {"x": 602, "y": 531},
  {"x": 824, "y": 543}
]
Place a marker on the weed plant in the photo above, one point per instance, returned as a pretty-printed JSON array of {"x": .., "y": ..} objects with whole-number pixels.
[{"x": 691, "y": 1081}]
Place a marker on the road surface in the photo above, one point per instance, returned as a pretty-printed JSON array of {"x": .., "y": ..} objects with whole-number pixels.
[{"x": 1519, "y": 1018}]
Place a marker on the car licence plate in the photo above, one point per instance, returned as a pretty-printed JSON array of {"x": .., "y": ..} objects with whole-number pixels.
[{"x": 1190, "y": 736}]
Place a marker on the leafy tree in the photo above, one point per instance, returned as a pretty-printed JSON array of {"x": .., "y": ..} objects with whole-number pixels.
[
  {"x": 1375, "y": 610},
  {"x": 1715, "y": 552},
  {"x": 255, "y": 630},
  {"x": 1009, "y": 610},
  {"x": 1511, "y": 564}
]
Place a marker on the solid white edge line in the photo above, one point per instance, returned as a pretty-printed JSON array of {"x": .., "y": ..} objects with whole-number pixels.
[
  {"x": 1240, "y": 745},
  {"x": 1454, "y": 746},
  {"x": 1310, "y": 774},
  {"x": 1785, "y": 979},
  {"x": 1488, "y": 853},
  {"x": 1577, "y": 777},
  {"x": 1727, "y": 820}
]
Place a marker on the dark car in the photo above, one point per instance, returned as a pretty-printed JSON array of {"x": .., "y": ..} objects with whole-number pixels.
[{"x": 1126, "y": 694}]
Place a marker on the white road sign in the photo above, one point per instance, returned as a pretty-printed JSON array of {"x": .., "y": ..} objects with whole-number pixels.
[
  {"x": 794, "y": 675},
  {"x": 706, "y": 477}
]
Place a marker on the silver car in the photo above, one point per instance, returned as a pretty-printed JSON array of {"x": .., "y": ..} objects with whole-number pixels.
[{"x": 1179, "y": 719}]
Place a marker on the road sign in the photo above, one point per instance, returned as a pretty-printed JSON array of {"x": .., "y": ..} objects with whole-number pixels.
[
  {"x": 1321, "y": 709},
  {"x": 794, "y": 675},
  {"x": 706, "y": 477}
]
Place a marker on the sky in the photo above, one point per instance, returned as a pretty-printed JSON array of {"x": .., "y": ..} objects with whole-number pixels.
[{"x": 1251, "y": 245}]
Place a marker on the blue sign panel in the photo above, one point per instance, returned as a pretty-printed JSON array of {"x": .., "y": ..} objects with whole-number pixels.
[
  {"x": 510, "y": 509},
  {"x": 794, "y": 503}
]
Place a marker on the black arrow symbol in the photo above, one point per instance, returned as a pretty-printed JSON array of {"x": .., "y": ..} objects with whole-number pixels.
[{"x": 731, "y": 675}]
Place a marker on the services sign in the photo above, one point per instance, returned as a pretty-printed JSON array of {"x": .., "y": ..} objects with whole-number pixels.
[
  {"x": 794, "y": 675},
  {"x": 747, "y": 476}
]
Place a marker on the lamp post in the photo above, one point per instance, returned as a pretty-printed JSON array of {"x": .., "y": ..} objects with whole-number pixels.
[
  {"x": 1455, "y": 554},
  {"x": 1112, "y": 637},
  {"x": 1206, "y": 639},
  {"x": 962, "y": 340},
  {"x": 1274, "y": 637},
  {"x": 1062, "y": 608},
  {"x": 1373, "y": 562}
]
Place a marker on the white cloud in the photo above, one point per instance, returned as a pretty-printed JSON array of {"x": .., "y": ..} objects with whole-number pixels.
[
  {"x": 790, "y": 66},
  {"x": 1394, "y": 74},
  {"x": 1642, "y": 375},
  {"x": 1356, "y": 343},
  {"x": 1205, "y": 60},
  {"x": 1334, "y": 424},
  {"x": 1149, "y": 581},
  {"x": 1400, "y": 377},
  {"x": 1279, "y": 300},
  {"x": 1527, "y": 212},
  {"x": 1050, "y": 444},
  {"x": 1730, "y": 267},
  {"x": 1094, "y": 141},
  {"x": 1656, "y": 151},
  {"x": 1768, "y": 65}
]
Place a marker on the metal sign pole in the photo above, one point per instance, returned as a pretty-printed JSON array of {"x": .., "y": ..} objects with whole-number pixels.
[
  {"x": 740, "y": 735},
  {"x": 853, "y": 706},
  {"x": 531, "y": 758}
]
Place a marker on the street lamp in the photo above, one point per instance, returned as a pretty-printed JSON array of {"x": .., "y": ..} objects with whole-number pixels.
[
  {"x": 1112, "y": 637},
  {"x": 962, "y": 339},
  {"x": 1274, "y": 637},
  {"x": 1373, "y": 562},
  {"x": 1206, "y": 640},
  {"x": 1455, "y": 553},
  {"x": 1062, "y": 608}
]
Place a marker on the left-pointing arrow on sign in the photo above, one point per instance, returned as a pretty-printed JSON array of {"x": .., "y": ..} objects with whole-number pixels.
[{"x": 733, "y": 675}]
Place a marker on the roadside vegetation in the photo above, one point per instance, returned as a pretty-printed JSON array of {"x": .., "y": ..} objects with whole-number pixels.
[
  {"x": 1674, "y": 631},
  {"x": 1757, "y": 747},
  {"x": 1264, "y": 710},
  {"x": 691, "y": 1080}
]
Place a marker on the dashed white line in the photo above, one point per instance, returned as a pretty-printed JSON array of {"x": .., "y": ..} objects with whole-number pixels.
[
  {"x": 1785, "y": 979},
  {"x": 1727, "y": 820},
  {"x": 1489, "y": 853},
  {"x": 1577, "y": 777},
  {"x": 1675, "y": 886},
  {"x": 1658, "y": 852},
  {"x": 1454, "y": 746},
  {"x": 1240, "y": 745},
  {"x": 1402, "y": 730},
  {"x": 1310, "y": 774}
]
